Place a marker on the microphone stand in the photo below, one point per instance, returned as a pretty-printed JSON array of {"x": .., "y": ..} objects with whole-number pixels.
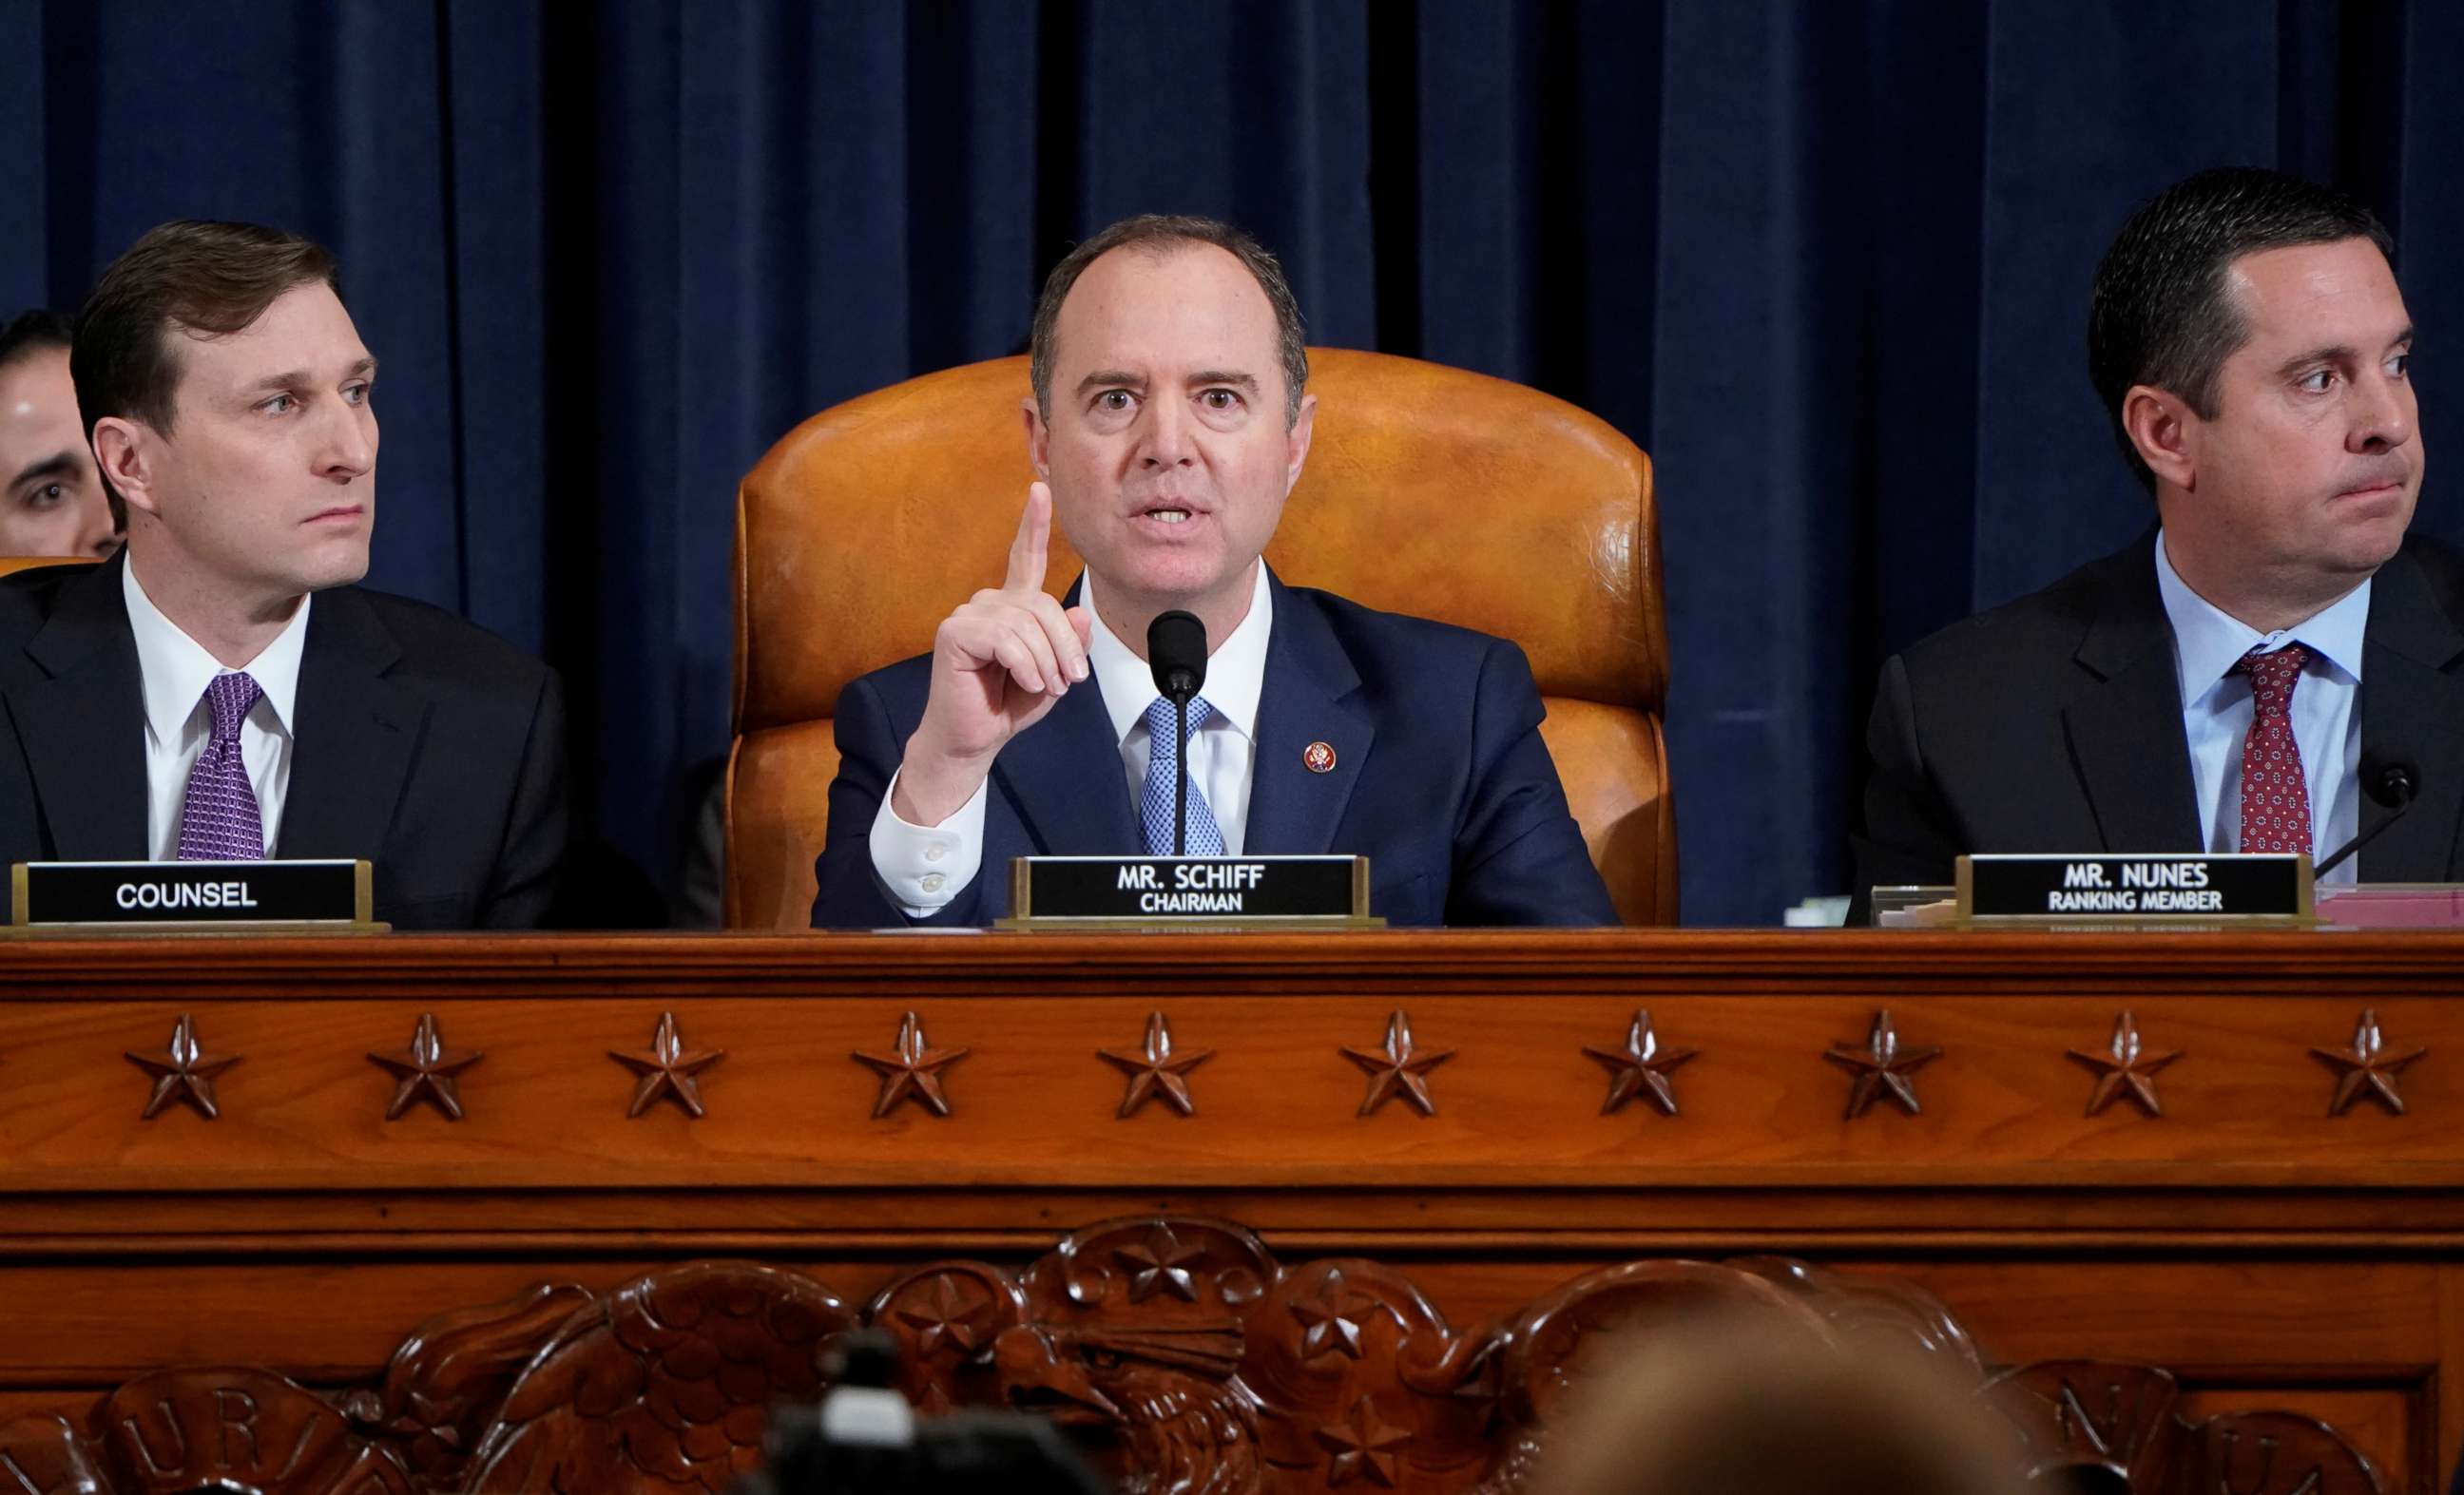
[{"x": 2359, "y": 842}]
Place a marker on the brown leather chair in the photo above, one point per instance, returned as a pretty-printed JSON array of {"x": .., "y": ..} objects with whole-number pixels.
[
  {"x": 1428, "y": 491},
  {"x": 9, "y": 565}
]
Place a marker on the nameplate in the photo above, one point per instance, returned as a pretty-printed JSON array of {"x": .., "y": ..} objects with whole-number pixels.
[
  {"x": 1046, "y": 890},
  {"x": 2230, "y": 886},
  {"x": 189, "y": 894}
]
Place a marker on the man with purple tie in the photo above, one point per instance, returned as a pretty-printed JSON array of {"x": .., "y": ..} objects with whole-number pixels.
[{"x": 220, "y": 691}]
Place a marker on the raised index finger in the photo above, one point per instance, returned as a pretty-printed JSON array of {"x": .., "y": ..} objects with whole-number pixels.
[{"x": 1034, "y": 538}]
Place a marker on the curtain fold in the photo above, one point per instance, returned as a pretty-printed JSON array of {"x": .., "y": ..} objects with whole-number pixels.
[{"x": 1827, "y": 262}]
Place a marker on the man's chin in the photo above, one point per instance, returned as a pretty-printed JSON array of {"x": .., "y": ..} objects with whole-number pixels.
[{"x": 337, "y": 565}]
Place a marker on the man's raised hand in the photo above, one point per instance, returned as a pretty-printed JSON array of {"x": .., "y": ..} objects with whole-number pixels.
[{"x": 999, "y": 664}]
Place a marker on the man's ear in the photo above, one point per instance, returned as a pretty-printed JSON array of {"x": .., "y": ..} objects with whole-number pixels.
[
  {"x": 124, "y": 449},
  {"x": 1039, "y": 437},
  {"x": 2162, "y": 428},
  {"x": 1296, "y": 443}
]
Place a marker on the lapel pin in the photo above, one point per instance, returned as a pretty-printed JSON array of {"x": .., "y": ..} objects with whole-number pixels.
[{"x": 1319, "y": 757}]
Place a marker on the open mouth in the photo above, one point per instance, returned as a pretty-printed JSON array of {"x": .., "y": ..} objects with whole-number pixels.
[{"x": 1168, "y": 512}]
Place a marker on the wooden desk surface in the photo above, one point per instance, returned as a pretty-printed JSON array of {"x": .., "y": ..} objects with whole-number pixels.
[{"x": 2272, "y": 1212}]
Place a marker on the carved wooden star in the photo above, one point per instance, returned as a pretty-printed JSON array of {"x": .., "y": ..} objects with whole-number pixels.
[
  {"x": 184, "y": 1072},
  {"x": 1400, "y": 1068},
  {"x": 1883, "y": 1066},
  {"x": 2367, "y": 1065},
  {"x": 913, "y": 1069},
  {"x": 2126, "y": 1068},
  {"x": 1363, "y": 1447},
  {"x": 428, "y": 1070},
  {"x": 1640, "y": 1068},
  {"x": 952, "y": 1316},
  {"x": 1156, "y": 1070},
  {"x": 1160, "y": 1263},
  {"x": 1333, "y": 1321},
  {"x": 667, "y": 1070}
]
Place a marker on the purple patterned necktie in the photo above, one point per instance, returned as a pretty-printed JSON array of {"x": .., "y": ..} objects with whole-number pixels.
[{"x": 219, "y": 820}]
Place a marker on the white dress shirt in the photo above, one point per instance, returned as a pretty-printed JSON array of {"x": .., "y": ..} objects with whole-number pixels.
[
  {"x": 176, "y": 670},
  {"x": 2216, "y": 710},
  {"x": 922, "y": 868}
]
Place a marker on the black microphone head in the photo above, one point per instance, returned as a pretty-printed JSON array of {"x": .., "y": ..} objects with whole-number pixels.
[
  {"x": 2389, "y": 777},
  {"x": 1177, "y": 652}
]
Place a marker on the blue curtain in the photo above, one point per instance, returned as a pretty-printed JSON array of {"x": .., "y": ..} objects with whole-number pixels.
[{"x": 1826, "y": 259}]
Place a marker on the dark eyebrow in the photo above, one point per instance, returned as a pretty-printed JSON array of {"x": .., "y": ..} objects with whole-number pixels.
[
  {"x": 57, "y": 465},
  {"x": 1249, "y": 382},
  {"x": 1110, "y": 378},
  {"x": 2332, "y": 352},
  {"x": 294, "y": 377}
]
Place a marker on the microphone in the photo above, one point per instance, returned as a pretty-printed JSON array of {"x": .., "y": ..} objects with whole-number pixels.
[
  {"x": 1177, "y": 652},
  {"x": 2392, "y": 780}
]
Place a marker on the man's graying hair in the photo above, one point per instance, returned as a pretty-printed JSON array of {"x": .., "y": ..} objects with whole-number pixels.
[
  {"x": 1160, "y": 234},
  {"x": 2163, "y": 311}
]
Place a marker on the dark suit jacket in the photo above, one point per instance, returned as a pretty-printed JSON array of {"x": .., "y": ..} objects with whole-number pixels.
[
  {"x": 2054, "y": 724},
  {"x": 1440, "y": 777},
  {"x": 422, "y": 743}
]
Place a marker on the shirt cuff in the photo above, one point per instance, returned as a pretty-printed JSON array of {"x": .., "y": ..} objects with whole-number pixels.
[{"x": 922, "y": 868}]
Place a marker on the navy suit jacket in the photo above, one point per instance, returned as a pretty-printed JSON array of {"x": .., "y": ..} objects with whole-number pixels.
[
  {"x": 1440, "y": 777},
  {"x": 2054, "y": 724},
  {"x": 424, "y": 743}
]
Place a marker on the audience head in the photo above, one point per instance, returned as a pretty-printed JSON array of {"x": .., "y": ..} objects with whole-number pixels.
[
  {"x": 2249, "y": 342},
  {"x": 1744, "y": 1403},
  {"x": 54, "y": 504},
  {"x": 1171, "y": 414},
  {"x": 226, "y": 395}
]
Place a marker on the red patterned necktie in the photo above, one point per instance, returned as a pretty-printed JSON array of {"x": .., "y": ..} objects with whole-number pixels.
[{"x": 2275, "y": 796}]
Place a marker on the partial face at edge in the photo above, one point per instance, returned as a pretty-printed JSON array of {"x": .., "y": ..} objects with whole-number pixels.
[
  {"x": 1166, "y": 448},
  {"x": 266, "y": 483},
  {"x": 52, "y": 503}
]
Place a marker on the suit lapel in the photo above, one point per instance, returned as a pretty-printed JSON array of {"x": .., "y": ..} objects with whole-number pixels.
[
  {"x": 83, "y": 726},
  {"x": 2126, "y": 728},
  {"x": 1063, "y": 778},
  {"x": 2411, "y": 705},
  {"x": 1305, "y": 700},
  {"x": 354, "y": 736}
]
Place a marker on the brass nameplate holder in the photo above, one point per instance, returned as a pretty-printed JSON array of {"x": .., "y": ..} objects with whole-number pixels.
[
  {"x": 1117, "y": 893},
  {"x": 2228, "y": 888},
  {"x": 190, "y": 897}
]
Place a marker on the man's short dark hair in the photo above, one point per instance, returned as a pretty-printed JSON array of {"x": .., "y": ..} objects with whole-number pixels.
[
  {"x": 2163, "y": 312},
  {"x": 31, "y": 332},
  {"x": 204, "y": 279},
  {"x": 1160, "y": 234}
]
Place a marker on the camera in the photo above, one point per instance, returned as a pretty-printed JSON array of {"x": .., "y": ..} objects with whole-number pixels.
[{"x": 863, "y": 1439}]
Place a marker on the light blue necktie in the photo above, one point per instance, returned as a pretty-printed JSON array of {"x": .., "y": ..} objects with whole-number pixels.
[{"x": 1204, "y": 838}]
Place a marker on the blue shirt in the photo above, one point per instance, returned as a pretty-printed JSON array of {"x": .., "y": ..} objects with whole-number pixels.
[{"x": 2215, "y": 710}]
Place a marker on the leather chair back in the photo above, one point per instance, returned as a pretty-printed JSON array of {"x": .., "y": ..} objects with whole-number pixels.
[
  {"x": 1428, "y": 491},
  {"x": 11, "y": 564}
]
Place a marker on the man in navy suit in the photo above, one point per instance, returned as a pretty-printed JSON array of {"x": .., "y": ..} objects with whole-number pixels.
[{"x": 1169, "y": 422}]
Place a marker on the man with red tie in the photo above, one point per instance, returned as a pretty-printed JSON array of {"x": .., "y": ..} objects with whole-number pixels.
[{"x": 2216, "y": 685}]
